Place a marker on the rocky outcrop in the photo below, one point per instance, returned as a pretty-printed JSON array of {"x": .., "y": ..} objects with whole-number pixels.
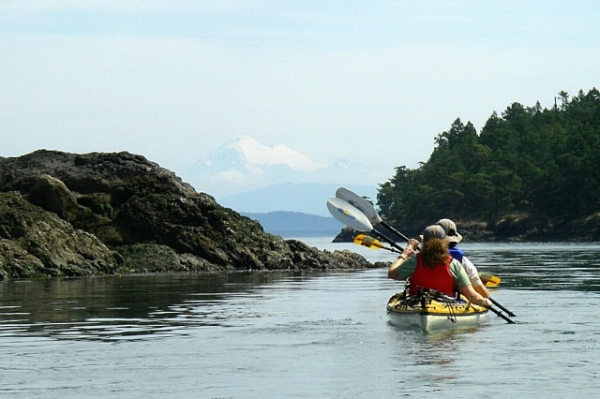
[
  {"x": 34, "y": 242},
  {"x": 515, "y": 227},
  {"x": 67, "y": 214},
  {"x": 347, "y": 234}
]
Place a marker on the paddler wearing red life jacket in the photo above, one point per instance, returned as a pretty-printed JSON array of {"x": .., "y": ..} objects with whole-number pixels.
[{"x": 434, "y": 268}]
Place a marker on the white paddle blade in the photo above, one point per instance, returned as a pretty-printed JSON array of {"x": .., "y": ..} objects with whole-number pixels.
[
  {"x": 359, "y": 203},
  {"x": 348, "y": 215}
]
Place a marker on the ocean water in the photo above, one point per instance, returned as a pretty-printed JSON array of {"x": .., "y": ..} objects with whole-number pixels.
[{"x": 302, "y": 335}]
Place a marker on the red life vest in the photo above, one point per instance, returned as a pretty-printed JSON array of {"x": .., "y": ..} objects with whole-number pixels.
[{"x": 437, "y": 278}]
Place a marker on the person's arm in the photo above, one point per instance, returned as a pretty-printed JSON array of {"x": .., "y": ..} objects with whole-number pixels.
[
  {"x": 464, "y": 285},
  {"x": 475, "y": 297},
  {"x": 474, "y": 277},
  {"x": 400, "y": 269},
  {"x": 482, "y": 290}
]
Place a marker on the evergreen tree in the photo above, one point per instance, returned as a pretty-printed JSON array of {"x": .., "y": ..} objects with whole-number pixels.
[{"x": 541, "y": 162}]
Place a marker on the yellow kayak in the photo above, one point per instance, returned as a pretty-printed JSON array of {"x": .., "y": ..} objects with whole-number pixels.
[{"x": 431, "y": 311}]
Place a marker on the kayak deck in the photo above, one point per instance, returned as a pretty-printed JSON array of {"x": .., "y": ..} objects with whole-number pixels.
[{"x": 431, "y": 311}]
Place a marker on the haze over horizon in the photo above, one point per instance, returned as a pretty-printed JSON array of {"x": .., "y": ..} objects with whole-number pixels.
[
  {"x": 174, "y": 80},
  {"x": 244, "y": 165}
]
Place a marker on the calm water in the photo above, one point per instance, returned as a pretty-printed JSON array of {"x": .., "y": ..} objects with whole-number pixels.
[{"x": 302, "y": 335}]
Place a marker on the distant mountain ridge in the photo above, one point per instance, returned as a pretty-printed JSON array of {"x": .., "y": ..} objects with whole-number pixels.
[
  {"x": 292, "y": 197},
  {"x": 243, "y": 167},
  {"x": 296, "y": 224}
]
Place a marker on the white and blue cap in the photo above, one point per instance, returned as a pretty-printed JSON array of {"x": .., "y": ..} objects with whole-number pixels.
[{"x": 432, "y": 232}]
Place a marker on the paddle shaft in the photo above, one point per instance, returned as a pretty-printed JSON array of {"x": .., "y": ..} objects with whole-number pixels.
[
  {"x": 386, "y": 248},
  {"x": 371, "y": 243},
  {"x": 393, "y": 230},
  {"x": 387, "y": 239},
  {"x": 508, "y": 312},
  {"x": 499, "y": 314}
]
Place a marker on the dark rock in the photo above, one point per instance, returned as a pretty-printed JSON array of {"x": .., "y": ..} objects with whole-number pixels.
[
  {"x": 474, "y": 231},
  {"x": 587, "y": 227},
  {"x": 346, "y": 234},
  {"x": 119, "y": 212},
  {"x": 35, "y": 242},
  {"x": 52, "y": 195}
]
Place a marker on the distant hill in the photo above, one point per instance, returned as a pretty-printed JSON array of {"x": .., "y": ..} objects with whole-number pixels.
[
  {"x": 297, "y": 224},
  {"x": 309, "y": 198}
]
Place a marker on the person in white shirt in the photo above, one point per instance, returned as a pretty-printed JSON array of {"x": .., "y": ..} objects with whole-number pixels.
[{"x": 453, "y": 239}]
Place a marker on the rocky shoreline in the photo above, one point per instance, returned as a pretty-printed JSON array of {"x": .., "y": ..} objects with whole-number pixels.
[
  {"x": 64, "y": 214},
  {"x": 511, "y": 228}
]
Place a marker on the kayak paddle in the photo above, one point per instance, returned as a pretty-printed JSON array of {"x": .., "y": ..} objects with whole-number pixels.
[
  {"x": 489, "y": 280},
  {"x": 367, "y": 208},
  {"x": 370, "y": 242},
  {"x": 352, "y": 217}
]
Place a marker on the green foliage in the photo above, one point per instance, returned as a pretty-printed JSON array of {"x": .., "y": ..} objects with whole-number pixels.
[
  {"x": 104, "y": 209},
  {"x": 544, "y": 162}
]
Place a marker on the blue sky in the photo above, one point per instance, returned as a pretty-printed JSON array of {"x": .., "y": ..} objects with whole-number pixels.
[{"x": 369, "y": 81}]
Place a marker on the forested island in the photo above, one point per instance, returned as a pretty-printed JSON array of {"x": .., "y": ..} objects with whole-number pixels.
[{"x": 531, "y": 173}]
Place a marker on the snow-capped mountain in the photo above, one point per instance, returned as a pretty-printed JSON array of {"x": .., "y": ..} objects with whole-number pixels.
[
  {"x": 263, "y": 175},
  {"x": 247, "y": 156},
  {"x": 244, "y": 164}
]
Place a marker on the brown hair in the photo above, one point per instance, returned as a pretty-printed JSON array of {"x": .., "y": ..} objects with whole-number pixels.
[{"x": 434, "y": 252}]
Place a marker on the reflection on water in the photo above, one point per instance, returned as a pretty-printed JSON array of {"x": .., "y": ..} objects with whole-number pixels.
[
  {"x": 302, "y": 335},
  {"x": 137, "y": 307},
  {"x": 553, "y": 266},
  {"x": 129, "y": 307}
]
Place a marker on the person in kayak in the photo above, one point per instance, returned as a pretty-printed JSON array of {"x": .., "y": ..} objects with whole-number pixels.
[
  {"x": 453, "y": 238},
  {"x": 434, "y": 268}
]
